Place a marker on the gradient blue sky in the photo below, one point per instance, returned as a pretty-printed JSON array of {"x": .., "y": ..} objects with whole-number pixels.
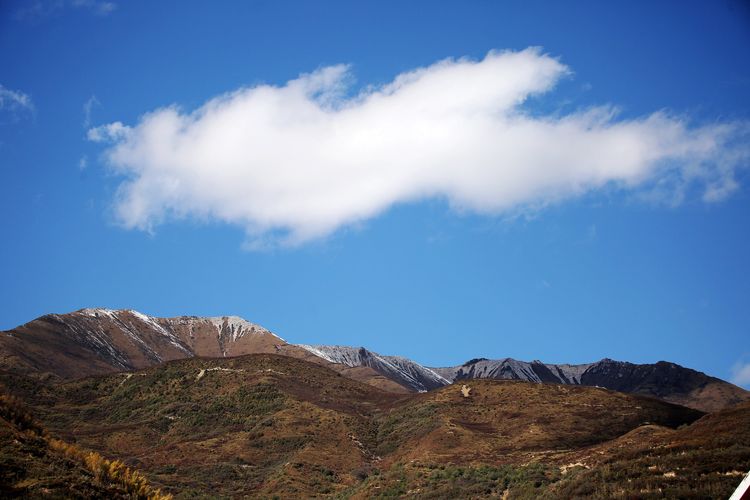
[{"x": 602, "y": 274}]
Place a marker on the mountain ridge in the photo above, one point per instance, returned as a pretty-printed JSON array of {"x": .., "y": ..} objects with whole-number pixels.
[
  {"x": 94, "y": 341},
  {"x": 663, "y": 379},
  {"x": 403, "y": 370}
]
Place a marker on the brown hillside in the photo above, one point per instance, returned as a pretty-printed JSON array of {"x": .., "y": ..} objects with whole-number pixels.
[
  {"x": 264, "y": 425},
  {"x": 704, "y": 460},
  {"x": 257, "y": 423},
  {"x": 35, "y": 465},
  {"x": 510, "y": 421}
]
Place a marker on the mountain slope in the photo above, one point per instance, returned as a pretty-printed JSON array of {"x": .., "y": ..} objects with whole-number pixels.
[
  {"x": 706, "y": 459},
  {"x": 263, "y": 425},
  {"x": 98, "y": 341},
  {"x": 94, "y": 341},
  {"x": 401, "y": 370},
  {"x": 483, "y": 420},
  {"x": 35, "y": 465},
  {"x": 664, "y": 462},
  {"x": 664, "y": 380},
  {"x": 260, "y": 424}
]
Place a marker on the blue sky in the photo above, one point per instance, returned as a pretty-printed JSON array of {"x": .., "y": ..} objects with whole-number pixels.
[{"x": 596, "y": 207}]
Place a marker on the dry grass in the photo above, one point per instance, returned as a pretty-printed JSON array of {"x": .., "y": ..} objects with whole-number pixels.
[
  {"x": 36, "y": 464},
  {"x": 266, "y": 425}
]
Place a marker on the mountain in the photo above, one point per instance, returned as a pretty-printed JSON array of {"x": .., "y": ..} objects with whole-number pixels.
[
  {"x": 399, "y": 369},
  {"x": 95, "y": 341},
  {"x": 511, "y": 369},
  {"x": 98, "y": 341},
  {"x": 176, "y": 400},
  {"x": 265, "y": 425},
  {"x": 664, "y": 380}
]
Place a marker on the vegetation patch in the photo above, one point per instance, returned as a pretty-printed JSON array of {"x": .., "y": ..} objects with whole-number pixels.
[
  {"x": 35, "y": 464},
  {"x": 404, "y": 424}
]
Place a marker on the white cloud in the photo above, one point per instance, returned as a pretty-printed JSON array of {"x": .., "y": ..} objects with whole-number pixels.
[
  {"x": 88, "y": 107},
  {"x": 741, "y": 374},
  {"x": 98, "y": 7},
  {"x": 83, "y": 163},
  {"x": 13, "y": 101},
  {"x": 111, "y": 132},
  {"x": 296, "y": 162},
  {"x": 35, "y": 9}
]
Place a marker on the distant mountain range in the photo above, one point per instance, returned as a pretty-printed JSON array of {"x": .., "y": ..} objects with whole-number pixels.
[
  {"x": 665, "y": 380},
  {"x": 100, "y": 341},
  {"x": 94, "y": 401}
]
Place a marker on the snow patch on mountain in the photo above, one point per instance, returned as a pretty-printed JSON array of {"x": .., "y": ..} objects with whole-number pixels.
[
  {"x": 399, "y": 369},
  {"x": 233, "y": 326},
  {"x": 94, "y": 337},
  {"x": 122, "y": 319},
  {"x": 237, "y": 327},
  {"x": 95, "y": 312},
  {"x": 343, "y": 355}
]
